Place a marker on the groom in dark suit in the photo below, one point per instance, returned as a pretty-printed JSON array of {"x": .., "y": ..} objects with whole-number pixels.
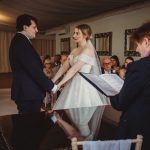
[{"x": 29, "y": 84}]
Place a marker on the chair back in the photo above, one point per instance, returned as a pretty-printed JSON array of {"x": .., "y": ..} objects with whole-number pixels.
[{"x": 138, "y": 142}]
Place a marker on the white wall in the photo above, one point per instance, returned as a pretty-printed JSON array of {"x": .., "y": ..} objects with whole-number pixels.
[{"x": 115, "y": 22}]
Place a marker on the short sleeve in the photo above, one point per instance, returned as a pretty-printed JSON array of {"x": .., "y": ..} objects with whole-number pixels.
[
  {"x": 70, "y": 56},
  {"x": 87, "y": 59}
]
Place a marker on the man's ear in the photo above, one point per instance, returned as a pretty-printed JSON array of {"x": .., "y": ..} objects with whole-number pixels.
[
  {"x": 24, "y": 27},
  {"x": 147, "y": 42}
]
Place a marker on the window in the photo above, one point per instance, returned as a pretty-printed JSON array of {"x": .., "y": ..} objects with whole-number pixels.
[{"x": 65, "y": 44}]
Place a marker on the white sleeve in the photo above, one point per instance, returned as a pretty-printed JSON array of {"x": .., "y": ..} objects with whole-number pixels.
[{"x": 87, "y": 59}]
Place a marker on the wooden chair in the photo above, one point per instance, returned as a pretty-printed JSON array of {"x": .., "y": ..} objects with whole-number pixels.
[{"x": 138, "y": 142}]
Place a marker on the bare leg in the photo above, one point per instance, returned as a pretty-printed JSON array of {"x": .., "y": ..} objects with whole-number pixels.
[{"x": 69, "y": 130}]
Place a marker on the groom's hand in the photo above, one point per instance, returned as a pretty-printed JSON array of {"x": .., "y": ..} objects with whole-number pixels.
[{"x": 55, "y": 89}]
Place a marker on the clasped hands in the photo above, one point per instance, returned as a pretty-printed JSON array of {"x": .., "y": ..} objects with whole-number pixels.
[{"x": 57, "y": 87}]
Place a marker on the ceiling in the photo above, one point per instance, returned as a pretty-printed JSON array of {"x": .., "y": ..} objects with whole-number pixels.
[{"x": 53, "y": 13}]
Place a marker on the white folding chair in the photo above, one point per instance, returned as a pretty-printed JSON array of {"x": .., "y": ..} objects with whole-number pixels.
[{"x": 138, "y": 142}]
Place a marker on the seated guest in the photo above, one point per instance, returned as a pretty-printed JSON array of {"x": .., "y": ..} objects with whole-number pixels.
[
  {"x": 122, "y": 70},
  {"x": 106, "y": 65},
  {"x": 56, "y": 63},
  {"x": 48, "y": 68},
  {"x": 128, "y": 60},
  {"x": 115, "y": 63},
  {"x": 64, "y": 56}
]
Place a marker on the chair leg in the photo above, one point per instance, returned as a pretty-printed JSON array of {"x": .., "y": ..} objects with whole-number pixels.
[{"x": 74, "y": 144}]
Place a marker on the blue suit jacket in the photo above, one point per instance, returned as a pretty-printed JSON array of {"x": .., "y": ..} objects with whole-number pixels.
[
  {"x": 134, "y": 101},
  {"x": 29, "y": 81}
]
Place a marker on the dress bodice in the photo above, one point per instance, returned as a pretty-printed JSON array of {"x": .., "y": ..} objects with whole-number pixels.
[{"x": 89, "y": 61}]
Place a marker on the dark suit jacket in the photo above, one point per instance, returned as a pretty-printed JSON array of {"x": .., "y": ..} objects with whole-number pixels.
[
  {"x": 29, "y": 81},
  {"x": 102, "y": 69},
  {"x": 134, "y": 101}
]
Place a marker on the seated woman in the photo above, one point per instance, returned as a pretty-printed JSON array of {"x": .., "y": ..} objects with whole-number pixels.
[
  {"x": 122, "y": 70},
  {"x": 115, "y": 63}
]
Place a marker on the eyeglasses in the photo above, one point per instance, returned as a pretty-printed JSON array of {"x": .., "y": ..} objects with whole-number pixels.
[{"x": 109, "y": 63}]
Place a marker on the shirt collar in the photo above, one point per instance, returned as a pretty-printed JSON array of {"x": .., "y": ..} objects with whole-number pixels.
[{"x": 25, "y": 36}]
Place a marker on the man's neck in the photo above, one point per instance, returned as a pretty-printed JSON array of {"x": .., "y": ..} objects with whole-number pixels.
[{"x": 24, "y": 33}]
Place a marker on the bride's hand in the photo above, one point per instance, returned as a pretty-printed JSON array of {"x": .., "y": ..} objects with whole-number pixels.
[
  {"x": 56, "y": 115},
  {"x": 58, "y": 87},
  {"x": 53, "y": 80}
]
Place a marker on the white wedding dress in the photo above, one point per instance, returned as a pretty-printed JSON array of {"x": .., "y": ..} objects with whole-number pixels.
[
  {"x": 78, "y": 92},
  {"x": 81, "y": 99}
]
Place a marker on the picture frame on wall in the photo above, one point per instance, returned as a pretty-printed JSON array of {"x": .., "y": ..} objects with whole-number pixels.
[
  {"x": 65, "y": 44},
  {"x": 103, "y": 43},
  {"x": 130, "y": 45}
]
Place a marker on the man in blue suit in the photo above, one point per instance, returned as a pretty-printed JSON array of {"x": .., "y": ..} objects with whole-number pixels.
[{"x": 29, "y": 84}]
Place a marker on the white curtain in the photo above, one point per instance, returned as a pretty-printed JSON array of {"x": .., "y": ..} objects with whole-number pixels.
[
  {"x": 5, "y": 39},
  {"x": 44, "y": 46}
]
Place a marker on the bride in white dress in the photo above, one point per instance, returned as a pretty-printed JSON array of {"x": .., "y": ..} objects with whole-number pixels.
[{"x": 78, "y": 97}]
